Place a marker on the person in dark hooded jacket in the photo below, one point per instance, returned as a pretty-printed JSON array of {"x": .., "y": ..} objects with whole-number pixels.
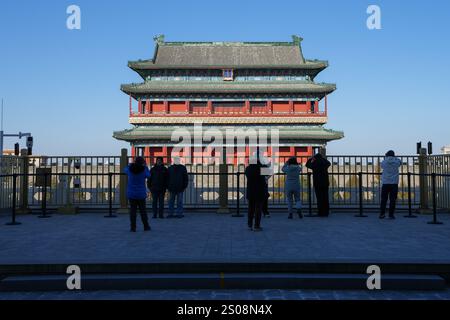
[
  {"x": 137, "y": 192},
  {"x": 319, "y": 166},
  {"x": 157, "y": 184},
  {"x": 256, "y": 194},
  {"x": 178, "y": 182}
]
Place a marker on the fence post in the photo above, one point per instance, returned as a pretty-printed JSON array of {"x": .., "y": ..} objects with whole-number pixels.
[
  {"x": 309, "y": 197},
  {"x": 44, "y": 199},
  {"x": 423, "y": 180},
  {"x": 110, "y": 214},
  {"x": 433, "y": 182},
  {"x": 13, "y": 213},
  {"x": 238, "y": 195},
  {"x": 123, "y": 180},
  {"x": 223, "y": 184},
  {"x": 360, "y": 193},
  {"x": 24, "y": 182},
  {"x": 410, "y": 215}
]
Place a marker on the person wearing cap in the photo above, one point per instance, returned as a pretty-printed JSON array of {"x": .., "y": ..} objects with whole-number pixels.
[{"x": 389, "y": 179}]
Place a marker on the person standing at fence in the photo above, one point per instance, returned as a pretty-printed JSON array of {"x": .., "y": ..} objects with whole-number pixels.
[
  {"x": 319, "y": 166},
  {"x": 178, "y": 182},
  {"x": 265, "y": 205},
  {"x": 293, "y": 169},
  {"x": 256, "y": 193},
  {"x": 157, "y": 184},
  {"x": 137, "y": 192},
  {"x": 389, "y": 179}
]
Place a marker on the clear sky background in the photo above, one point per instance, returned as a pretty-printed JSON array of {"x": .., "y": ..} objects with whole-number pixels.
[{"x": 393, "y": 85}]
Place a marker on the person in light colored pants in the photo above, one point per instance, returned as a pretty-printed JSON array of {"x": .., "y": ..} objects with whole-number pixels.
[{"x": 293, "y": 169}]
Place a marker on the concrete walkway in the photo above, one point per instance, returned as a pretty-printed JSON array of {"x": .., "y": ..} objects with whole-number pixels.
[{"x": 208, "y": 237}]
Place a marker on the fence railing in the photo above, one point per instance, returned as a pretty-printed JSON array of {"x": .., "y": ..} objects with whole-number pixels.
[
  {"x": 45, "y": 178},
  {"x": 84, "y": 182}
]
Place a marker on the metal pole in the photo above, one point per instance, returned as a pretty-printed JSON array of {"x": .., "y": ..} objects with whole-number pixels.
[
  {"x": 44, "y": 198},
  {"x": 309, "y": 197},
  {"x": 1, "y": 133},
  {"x": 238, "y": 196},
  {"x": 13, "y": 215},
  {"x": 410, "y": 215},
  {"x": 1, "y": 143},
  {"x": 433, "y": 181},
  {"x": 360, "y": 187},
  {"x": 110, "y": 215}
]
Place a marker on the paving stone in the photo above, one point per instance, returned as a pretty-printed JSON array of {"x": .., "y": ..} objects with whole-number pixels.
[{"x": 202, "y": 237}]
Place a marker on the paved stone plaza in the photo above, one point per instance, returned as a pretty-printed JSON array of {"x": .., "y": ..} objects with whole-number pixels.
[
  {"x": 230, "y": 295},
  {"x": 209, "y": 237}
]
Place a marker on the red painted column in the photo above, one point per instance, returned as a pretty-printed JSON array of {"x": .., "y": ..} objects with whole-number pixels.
[
  {"x": 165, "y": 155},
  {"x": 147, "y": 107},
  {"x": 166, "y": 106},
  {"x": 187, "y": 106},
  {"x": 133, "y": 151},
  {"x": 269, "y": 106},
  {"x": 247, "y": 155},
  {"x": 247, "y": 107},
  {"x": 210, "y": 107},
  {"x": 291, "y": 106},
  {"x": 147, "y": 155},
  {"x": 139, "y": 106},
  {"x": 291, "y": 151}
]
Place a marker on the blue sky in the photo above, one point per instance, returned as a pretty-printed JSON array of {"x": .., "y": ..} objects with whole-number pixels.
[{"x": 63, "y": 85}]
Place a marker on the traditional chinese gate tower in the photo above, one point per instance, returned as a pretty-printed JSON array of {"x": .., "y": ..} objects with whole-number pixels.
[{"x": 227, "y": 85}]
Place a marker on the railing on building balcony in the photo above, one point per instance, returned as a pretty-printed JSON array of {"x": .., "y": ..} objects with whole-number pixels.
[{"x": 146, "y": 108}]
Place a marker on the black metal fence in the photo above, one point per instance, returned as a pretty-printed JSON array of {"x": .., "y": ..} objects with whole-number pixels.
[
  {"x": 45, "y": 178},
  {"x": 85, "y": 182}
]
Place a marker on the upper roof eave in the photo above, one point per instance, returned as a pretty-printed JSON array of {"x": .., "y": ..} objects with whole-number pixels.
[
  {"x": 150, "y": 65},
  {"x": 249, "y": 87}
]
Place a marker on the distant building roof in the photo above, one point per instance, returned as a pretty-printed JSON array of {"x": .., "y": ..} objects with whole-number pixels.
[{"x": 446, "y": 149}]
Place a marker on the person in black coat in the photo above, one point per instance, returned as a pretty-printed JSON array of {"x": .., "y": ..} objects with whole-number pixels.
[
  {"x": 265, "y": 205},
  {"x": 178, "y": 182},
  {"x": 157, "y": 184},
  {"x": 256, "y": 194},
  {"x": 319, "y": 166}
]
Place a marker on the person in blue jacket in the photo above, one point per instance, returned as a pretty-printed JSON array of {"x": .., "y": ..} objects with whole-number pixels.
[{"x": 137, "y": 191}]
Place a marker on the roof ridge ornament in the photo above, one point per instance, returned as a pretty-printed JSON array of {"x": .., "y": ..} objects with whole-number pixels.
[
  {"x": 296, "y": 39},
  {"x": 159, "y": 39}
]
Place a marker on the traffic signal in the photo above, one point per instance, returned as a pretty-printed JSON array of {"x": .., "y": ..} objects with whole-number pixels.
[
  {"x": 30, "y": 145},
  {"x": 16, "y": 149},
  {"x": 430, "y": 148},
  {"x": 419, "y": 146}
]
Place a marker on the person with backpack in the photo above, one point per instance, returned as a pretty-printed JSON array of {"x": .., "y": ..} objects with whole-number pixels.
[
  {"x": 178, "y": 182},
  {"x": 293, "y": 169},
  {"x": 137, "y": 173},
  {"x": 389, "y": 179},
  {"x": 157, "y": 184}
]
